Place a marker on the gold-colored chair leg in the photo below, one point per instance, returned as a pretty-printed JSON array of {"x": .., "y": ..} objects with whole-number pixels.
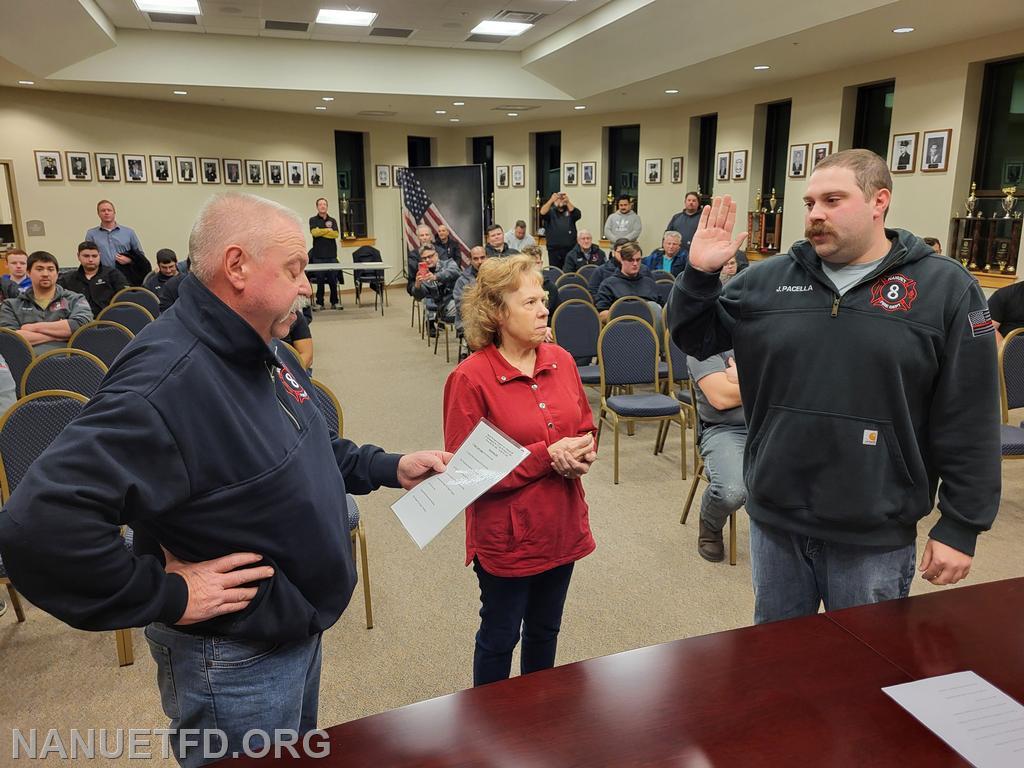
[
  {"x": 361, "y": 533},
  {"x": 125, "y": 647},
  {"x": 19, "y": 611},
  {"x": 447, "y": 351},
  {"x": 682, "y": 445},
  {"x": 616, "y": 426},
  {"x": 732, "y": 539},
  {"x": 697, "y": 476}
]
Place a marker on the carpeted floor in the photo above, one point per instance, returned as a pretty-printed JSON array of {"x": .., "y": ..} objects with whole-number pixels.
[{"x": 645, "y": 584}]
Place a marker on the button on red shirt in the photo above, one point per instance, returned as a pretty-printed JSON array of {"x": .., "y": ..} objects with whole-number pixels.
[{"x": 534, "y": 519}]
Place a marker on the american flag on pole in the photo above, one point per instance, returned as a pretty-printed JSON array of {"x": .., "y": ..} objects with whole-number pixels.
[{"x": 418, "y": 208}]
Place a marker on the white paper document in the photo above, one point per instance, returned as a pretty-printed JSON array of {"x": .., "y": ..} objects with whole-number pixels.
[
  {"x": 970, "y": 714},
  {"x": 482, "y": 461}
]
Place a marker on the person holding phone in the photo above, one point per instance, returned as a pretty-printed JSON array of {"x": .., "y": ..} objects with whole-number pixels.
[{"x": 523, "y": 536}]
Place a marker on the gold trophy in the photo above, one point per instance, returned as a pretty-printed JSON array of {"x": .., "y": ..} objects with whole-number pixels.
[
  {"x": 1002, "y": 256},
  {"x": 972, "y": 201},
  {"x": 757, "y": 201},
  {"x": 610, "y": 197},
  {"x": 1009, "y": 201},
  {"x": 772, "y": 201},
  {"x": 345, "y": 209}
]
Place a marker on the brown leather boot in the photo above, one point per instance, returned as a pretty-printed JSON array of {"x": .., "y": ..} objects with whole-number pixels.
[{"x": 709, "y": 544}]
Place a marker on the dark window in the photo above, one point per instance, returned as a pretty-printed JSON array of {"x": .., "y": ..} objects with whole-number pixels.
[
  {"x": 1000, "y": 157},
  {"x": 624, "y": 159},
  {"x": 776, "y": 147},
  {"x": 351, "y": 170},
  {"x": 873, "y": 118},
  {"x": 483, "y": 154},
  {"x": 419, "y": 151},
  {"x": 548, "y": 158},
  {"x": 706, "y": 156}
]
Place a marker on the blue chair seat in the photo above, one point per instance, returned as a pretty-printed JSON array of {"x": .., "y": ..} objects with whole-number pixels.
[
  {"x": 1012, "y": 439},
  {"x": 590, "y": 374},
  {"x": 651, "y": 405},
  {"x": 353, "y": 512},
  {"x": 662, "y": 369},
  {"x": 683, "y": 396}
]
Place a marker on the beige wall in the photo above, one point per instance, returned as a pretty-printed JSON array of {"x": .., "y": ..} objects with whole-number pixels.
[{"x": 934, "y": 89}]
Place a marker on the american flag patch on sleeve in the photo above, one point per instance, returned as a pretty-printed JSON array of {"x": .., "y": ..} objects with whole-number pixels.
[{"x": 981, "y": 322}]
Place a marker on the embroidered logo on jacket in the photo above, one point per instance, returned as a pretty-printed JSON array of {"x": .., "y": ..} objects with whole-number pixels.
[
  {"x": 292, "y": 386},
  {"x": 894, "y": 293},
  {"x": 981, "y": 322}
]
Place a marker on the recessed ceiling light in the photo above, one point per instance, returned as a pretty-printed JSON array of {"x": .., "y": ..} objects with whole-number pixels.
[
  {"x": 671, "y": 90},
  {"x": 169, "y": 6},
  {"x": 181, "y": 93},
  {"x": 326, "y": 98},
  {"x": 580, "y": 106},
  {"x": 26, "y": 82},
  {"x": 903, "y": 30},
  {"x": 458, "y": 103},
  {"x": 503, "y": 28},
  {"x": 513, "y": 114},
  {"x": 440, "y": 111},
  {"x": 345, "y": 18},
  {"x": 319, "y": 107},
  {"x": 761, "y": 67},
  {"x": 453, "y": 119}
]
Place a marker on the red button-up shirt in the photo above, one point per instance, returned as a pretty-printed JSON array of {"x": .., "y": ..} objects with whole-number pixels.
[{"x": 534, "y": 519}]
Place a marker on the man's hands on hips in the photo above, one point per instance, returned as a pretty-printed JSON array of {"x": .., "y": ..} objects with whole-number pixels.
[
  {"x": 214, "y": 586},
  {"x": 941, "y": 564},
  {"x": 414, "y": 468}
]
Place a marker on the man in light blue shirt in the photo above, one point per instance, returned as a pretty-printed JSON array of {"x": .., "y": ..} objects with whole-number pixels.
[{"x": 114, "y": 241}]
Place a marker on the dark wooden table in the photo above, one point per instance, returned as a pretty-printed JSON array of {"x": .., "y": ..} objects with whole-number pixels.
[{"x": 797, "y": 693}]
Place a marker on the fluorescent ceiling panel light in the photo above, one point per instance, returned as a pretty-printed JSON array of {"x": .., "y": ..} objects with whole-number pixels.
[
  {"x": 453, "y": 119},
  {"x": 346, "y": 18},
  {"x": 326, "y": 98},
  {"x": 579, "y": 106},
  {"x": 26, "y": 82},
  {"x": 319, "y": 107},
  {"x": 503, "y": 28},
  {"x": 761, "y": 67},
  {"x": 458, "y": 103},
  {"x": 671, "y": 90},
  {"x": 903, "y": 30},
  {"x": 513, "y": 114},
  {"x": 440, "y": 111},
  {"x": 169, "y": 6}
]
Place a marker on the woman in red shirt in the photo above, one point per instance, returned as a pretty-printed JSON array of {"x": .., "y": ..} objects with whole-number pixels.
[{"x": 523, "y": 535}]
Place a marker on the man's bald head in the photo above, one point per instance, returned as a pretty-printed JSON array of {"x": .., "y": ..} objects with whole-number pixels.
[{"x": 235, "y": 219}]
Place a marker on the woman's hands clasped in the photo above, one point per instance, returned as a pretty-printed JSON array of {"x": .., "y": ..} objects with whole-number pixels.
[{"x": 571, "y": 457}]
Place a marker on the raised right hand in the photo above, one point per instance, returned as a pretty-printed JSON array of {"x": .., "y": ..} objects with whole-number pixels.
[
  {"x": 214, "y": 586},
  {"x": 713, "y": 244}
]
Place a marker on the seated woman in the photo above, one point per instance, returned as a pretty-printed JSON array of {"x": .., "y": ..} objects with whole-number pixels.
[{"x": 524, "y": 535}]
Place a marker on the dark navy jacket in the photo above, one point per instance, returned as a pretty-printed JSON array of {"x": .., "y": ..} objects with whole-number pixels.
[{"x": 248, "y": 465}]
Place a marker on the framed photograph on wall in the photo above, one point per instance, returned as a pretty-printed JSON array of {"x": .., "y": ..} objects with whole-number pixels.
[
  {"x": 819, "y": 151},
  {"x": 518, "y": 175},
  {"x": 739, "y": 165},
  {"x": 135, "y": 169},
  {"x": 315, "y": 174},
  {"x": 797, "y": 161},
  {"x": 588, "y": 173},
  {"x": 275, "y": 173},
  {"x": 675, "y": 170},
  {"x": 160, "y": 167},
  {"x": 570, "y": 172},
  {"x": 652, "y": 170},
  {"x": 935, "y": 150},
  {"x": 723, "y": 161},
  {"x": 344, "y": 184},
  {"x": 232, "y": 171},
  {"x": 1013, "y": 172},
  {"x": 186, "y": 167},
  {"x": 501, "y": 176},
  {"x": 396, "y": 175},
  {"x": 296, "y": 174},
  {"x": 107, "y": 166},
  {"x": 79, "y": 166},
  {"x": 48, "y": 166},
  {"x": 383, "y": 174},
  {"x": 210, "y": 170},
  {"x": 903, "y": 156},
  {"x": 254, "y": 172}
]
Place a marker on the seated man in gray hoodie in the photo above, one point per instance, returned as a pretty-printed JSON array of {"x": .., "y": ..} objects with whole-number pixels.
[{"x": 624, "y": 222}]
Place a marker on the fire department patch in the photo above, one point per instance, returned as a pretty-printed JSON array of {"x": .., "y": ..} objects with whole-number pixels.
[
  {"x": 894, "y": 293},
  {"x": 291, "y": 385}
]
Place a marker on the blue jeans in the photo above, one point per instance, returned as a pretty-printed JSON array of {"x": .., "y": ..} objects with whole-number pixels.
[
  {"x": 721, "y": 447},
  {"x": 233, "y": 686},
  {"x": 793, "y": 574},
  {"x": 533, "y": 603}
]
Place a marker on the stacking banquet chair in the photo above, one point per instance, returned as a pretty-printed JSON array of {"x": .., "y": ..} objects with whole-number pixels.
[
  {"x": 551, "y": 273},
  {"x": 677, "y": 383},
  {"x": 417, "y": 313},
  {"x": 573, "y": 291},
  {"x": 586, "y": 271},
  {"x": 288, "y": 354},
  {"x": 372, "y": 277},
  {"x": 66, "y": 369},
  {"x": 26, "y": 430},
  {"x": 662, "y": 274},
  {"x": 571, "y": 278},
  {"x": 1011, "y": 393},
  {"x": 632, "y": 306},
  {"x": 575, "y": 327},
  {"x": 335, "y": 418},
  {"x": 17, "y": 353},
  {"x": 132, "y": 316},
  {"x": 664, "y": 289},
  {"x": 627, "y": 354},
  {"x": 699, "y": 473},
  {"x": 103, "y": 338},
  {"x": 136, "y": 294}
]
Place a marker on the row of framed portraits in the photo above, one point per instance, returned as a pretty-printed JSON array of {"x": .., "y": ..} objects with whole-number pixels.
[
  {"x": 502, "y": 175},
  {"x": 586, "y": 173},
  {"x": 934, "y": 151},
  {"x": 161, "y": 169},
  {"x": 731, "y": 166}
]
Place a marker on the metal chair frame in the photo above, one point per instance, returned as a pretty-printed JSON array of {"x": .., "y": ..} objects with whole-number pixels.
[
  {"x": 65, "y": 352},
  {"x": 99, "y": 324}
]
